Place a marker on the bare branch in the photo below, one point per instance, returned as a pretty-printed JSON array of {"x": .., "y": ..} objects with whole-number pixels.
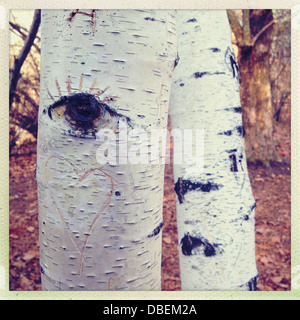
[
  {"x": 246, "y": 27},
  {"x": 235, "y": 25},
  {"x": 281, "y": 104},
  {"x": 23, "y": 54},
  {"x": 260, "y": 32},
  {"x": 18, "y": 30}
]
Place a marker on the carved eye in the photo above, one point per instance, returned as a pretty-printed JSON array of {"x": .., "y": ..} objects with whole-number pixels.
[
  {"x": 81, "y": 110},
  {"x": 84, "y": 113}
]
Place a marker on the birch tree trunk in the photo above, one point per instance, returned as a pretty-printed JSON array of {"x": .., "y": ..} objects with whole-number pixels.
[
  {"x": 100, "y": 224},
  {"x": 215, "y": 205}
]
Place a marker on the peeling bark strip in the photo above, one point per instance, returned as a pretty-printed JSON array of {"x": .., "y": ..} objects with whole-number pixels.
[
  {"x": 184, "y": 186},
  {"x": 208, "y": 221},
  {"x": 92, "y": 15},
  {"x": 188, "y": 243}
]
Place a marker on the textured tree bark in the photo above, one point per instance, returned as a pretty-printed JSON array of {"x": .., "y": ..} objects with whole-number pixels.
[
  {"x": 215, "y": 205},
  {"x": 256, "y": 92},
  {"x": 100, "y": 224}
]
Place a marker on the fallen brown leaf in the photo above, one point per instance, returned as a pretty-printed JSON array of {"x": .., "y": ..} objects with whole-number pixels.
[
  {"x": 29, "y": 255},
  {"x": 30, "y": 229}
]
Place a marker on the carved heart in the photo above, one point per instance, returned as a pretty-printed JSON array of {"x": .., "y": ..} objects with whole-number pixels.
[{"x": 72, "y": 205}]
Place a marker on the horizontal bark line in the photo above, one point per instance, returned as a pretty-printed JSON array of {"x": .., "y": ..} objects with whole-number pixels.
[
  {"x": 183, "y": 186},
  {"x": 239, "y": 130},
  {"x": 206, "y": 73}
]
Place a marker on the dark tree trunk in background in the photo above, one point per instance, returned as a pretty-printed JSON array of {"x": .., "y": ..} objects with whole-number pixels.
[
  {"x": 256, "y": 88},
  {"x": 254, "y": 37}
]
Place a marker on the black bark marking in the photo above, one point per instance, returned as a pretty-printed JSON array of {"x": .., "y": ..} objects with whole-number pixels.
[
  {"x": 150, "y": 19},
  {"x": 156, "y": 231},
  {"x": 234, "y": 67},
  {"x": 192, "y": 20},
  {"x": 231, "y": 150},
  {"x": 176, "y": 60},
  {"x": 84, "y": 134},
  {"x": 117, "y": 193},
  {"x": 201, "y": 74},
  {"x": 233, "y": 167},
  {"x": 234, "y": 109},
  {"x": 246, "y": 217},
  {"x": 209, "y": 250},
  {"x": 253, "y": 206},
  {"x": 215, "y": 49},
  {"x": 231, "y": 63},
  {"x": 181, "y": 84},
  {"x": 184, "y": 186},
  {"x": 240, "y": 161},
  {"x": 239, "y": 129},
  {"x": 188, "y": 243},
  {"x": 252, "y": 284},
  {"x": 226, "y": 133}
]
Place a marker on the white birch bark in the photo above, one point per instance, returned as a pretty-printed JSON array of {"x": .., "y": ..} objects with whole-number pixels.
[
  {"x": 100, "y": 225},
  {"x": 215, "y": 205}
]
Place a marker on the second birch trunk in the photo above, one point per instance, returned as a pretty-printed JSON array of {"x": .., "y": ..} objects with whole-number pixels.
[{"x": 215, "y": 205}]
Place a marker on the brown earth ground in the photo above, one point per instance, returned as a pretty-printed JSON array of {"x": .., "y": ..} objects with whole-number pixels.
[{"x": 271, "y": 188}]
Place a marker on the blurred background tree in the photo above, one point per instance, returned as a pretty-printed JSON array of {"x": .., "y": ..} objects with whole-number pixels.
[
  {"x": 264, "y": 53},
  {"x": 24, "y": 68}
]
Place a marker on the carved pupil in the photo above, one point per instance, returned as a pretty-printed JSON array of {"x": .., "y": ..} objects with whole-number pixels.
[{"x": 81, "y": 110}]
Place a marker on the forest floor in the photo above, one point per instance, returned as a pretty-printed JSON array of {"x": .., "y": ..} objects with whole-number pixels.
[{"x": 272, "y": 191}]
